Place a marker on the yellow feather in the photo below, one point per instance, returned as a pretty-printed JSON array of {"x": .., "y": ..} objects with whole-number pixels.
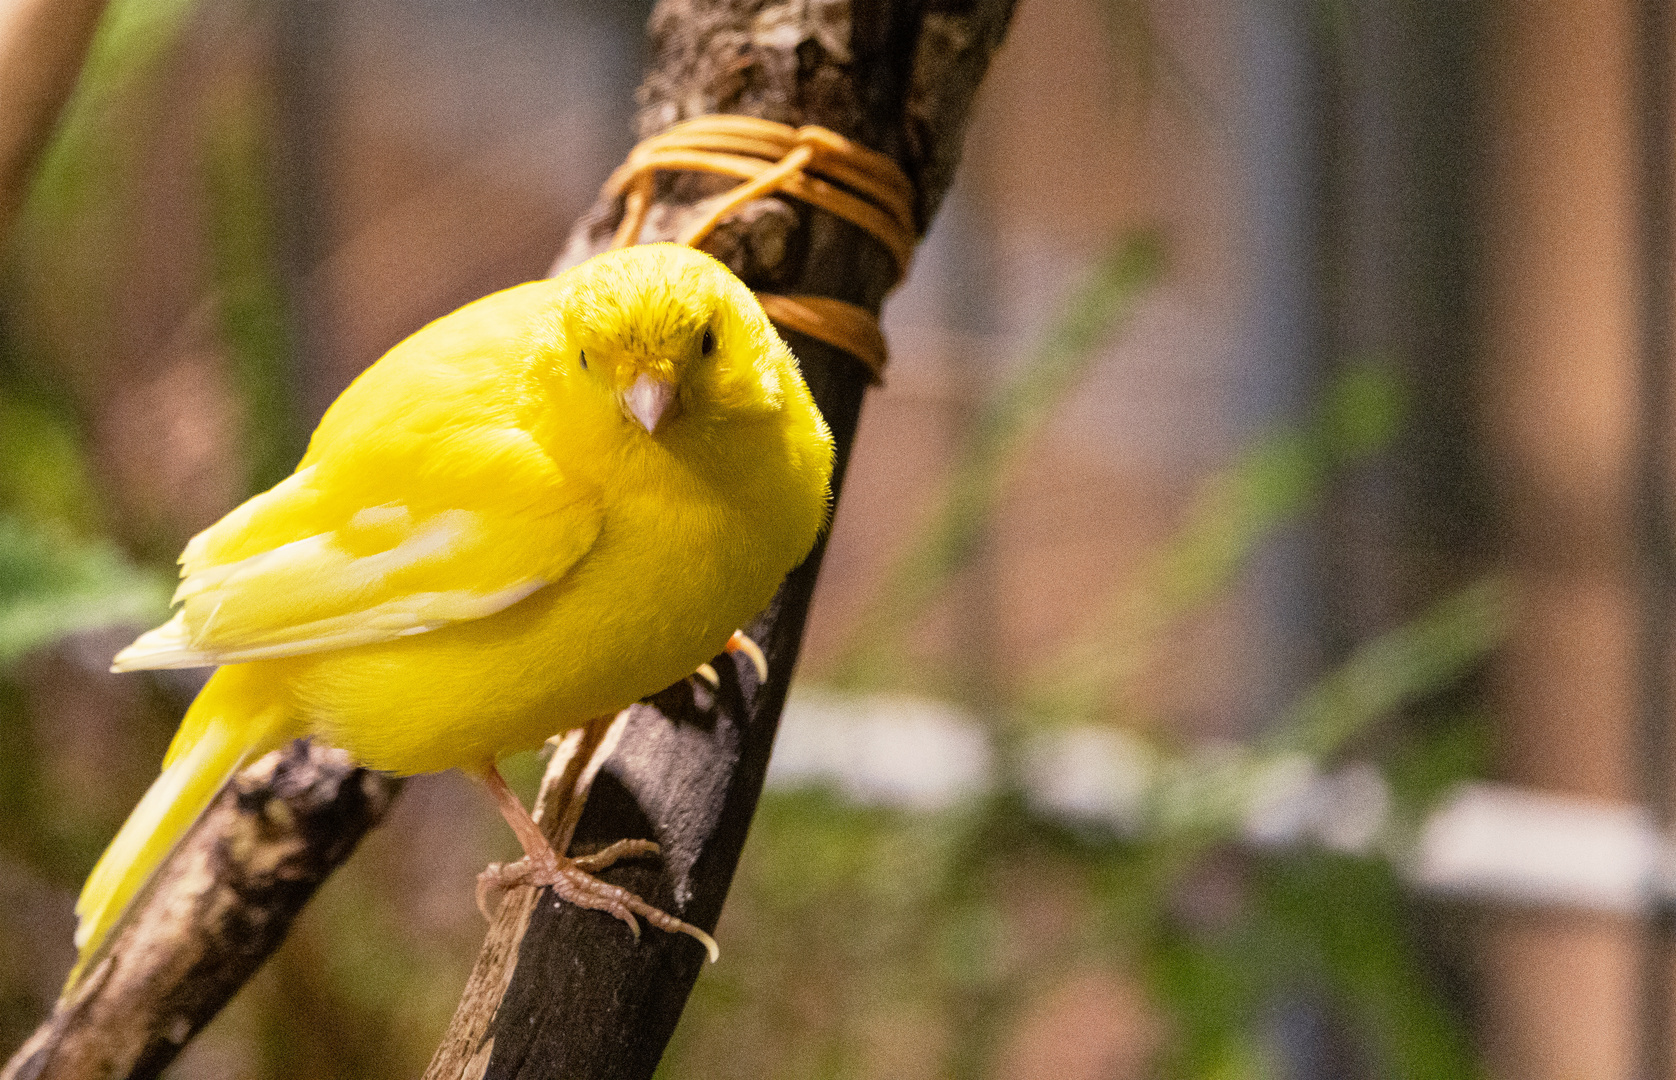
[
  {"x": 229, "y": 724},
  {"x": 534, "y": 511}
]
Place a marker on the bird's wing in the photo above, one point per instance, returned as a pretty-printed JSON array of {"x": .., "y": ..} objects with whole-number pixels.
[{"x": 332, "y": 558}]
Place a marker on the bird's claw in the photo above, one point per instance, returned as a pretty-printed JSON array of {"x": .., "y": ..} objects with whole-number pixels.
[
  {"x": 574, "y": 880},
  {"x": 739, "y": 643},
  {"x": 496, "y": 880}
]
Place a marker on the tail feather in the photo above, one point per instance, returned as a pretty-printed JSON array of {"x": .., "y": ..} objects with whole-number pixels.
[{"x": 227, "y": 726}]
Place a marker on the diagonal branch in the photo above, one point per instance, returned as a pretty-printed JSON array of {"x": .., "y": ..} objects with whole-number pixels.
[
  {"x": 559, "y": 991},
  {"x": 582, "y": 998},
  {"x": 220, "y": 905}
]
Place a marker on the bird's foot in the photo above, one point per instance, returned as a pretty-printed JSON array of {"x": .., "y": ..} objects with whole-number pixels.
[
  {"x": 497, "y": 878},
  {"x": 574, "y": 880},
  {"x": 738, "y": 643}
]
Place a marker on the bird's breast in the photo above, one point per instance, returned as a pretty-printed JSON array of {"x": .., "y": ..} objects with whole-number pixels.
[{"x": 678, "y": 565}]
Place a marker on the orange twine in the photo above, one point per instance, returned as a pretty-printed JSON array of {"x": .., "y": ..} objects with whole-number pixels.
[{"x": 807, "y": 163}]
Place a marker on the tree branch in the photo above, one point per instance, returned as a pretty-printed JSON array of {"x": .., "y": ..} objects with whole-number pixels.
[
  {"x": 582, "y": 999},
  {"x": 559, "y": 991},
  {"x": 215, "y": 911}
]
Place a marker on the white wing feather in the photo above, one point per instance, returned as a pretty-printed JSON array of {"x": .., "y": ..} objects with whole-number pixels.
[{"x": 381, "y": 573}]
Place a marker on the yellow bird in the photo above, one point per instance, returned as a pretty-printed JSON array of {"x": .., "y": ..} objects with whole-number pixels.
[{"x": 533, "y": 512}]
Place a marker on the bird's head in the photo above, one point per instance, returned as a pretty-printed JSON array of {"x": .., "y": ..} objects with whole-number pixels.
[{"x": 671, "y": 341}]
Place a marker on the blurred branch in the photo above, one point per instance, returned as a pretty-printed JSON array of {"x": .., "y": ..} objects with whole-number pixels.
[
  {"x": 42, "y": 46},
  {"x": 217, "y": 908}
]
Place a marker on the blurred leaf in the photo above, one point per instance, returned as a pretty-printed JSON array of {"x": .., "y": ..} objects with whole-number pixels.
[
  {"x": 52, "y": 585},
  {"x": 46, "y": 477},
  {"x": 79, "y": 208},
  {"x": 1213, "y": 994},
  {"x": 131, "y": 37},
  {"x": 1272, "y": 483},
  {"x": 1344, "y": 920},
  {"x": 1428, "y": 765},
  {"x": 1311, "y": 922},
  {"x": 249, "y": 291},
  {"x": 1415, "y": 659},
  {"x": 1150, "y": 70},
  {"x": 1005, "y": 424}
]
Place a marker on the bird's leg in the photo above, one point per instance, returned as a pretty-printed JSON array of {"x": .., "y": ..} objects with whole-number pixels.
[
  {"x": 572, "y": 879},
  {"x": 738, "y": 643}
]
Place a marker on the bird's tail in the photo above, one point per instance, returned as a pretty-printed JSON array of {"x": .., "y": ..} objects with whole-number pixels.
[{"x": 231, "y": 722}]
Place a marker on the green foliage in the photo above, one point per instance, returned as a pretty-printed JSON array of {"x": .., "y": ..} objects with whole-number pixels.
[
  {"x": 45, "y": 478},
  {"x": 1421, "y": 657},
  {"x": 77, "y": 213},
  {"x": 52, "y": 584},
  {"x": 76, "y": 175},
  {"x": 1305, "y": 924},
  {"x": 1280, "y": 477},
  {"x": 58, "y": 576},
  {"x": 846, "y": 941},
  {"x": 1344, "y": 923},
  {"x": 1313, "y": 924},
  {"x": 249, "y": 290},
  {"x": 846, "y": 922},
  {"x": 1004, "y": 426}
]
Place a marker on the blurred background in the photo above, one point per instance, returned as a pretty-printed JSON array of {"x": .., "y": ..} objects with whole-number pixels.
[{"x": 1244, "y": 648}]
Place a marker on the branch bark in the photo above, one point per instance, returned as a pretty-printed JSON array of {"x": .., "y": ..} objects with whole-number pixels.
[
  {"x": 220, "y": 905},
  {"x": 579, "y": 998},
  {"x": 559, "y": 991}
]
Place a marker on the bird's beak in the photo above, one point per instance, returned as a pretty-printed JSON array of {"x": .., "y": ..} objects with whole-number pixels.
[{"x": 649, "y": 400}]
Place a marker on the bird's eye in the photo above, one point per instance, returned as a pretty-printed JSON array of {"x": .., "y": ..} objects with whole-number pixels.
[
  {"x": 707, "y": 344},
  {"x": 582, "y": 356}
]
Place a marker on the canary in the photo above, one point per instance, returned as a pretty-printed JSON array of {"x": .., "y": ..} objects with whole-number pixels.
[{"x": 534, "y": 511}]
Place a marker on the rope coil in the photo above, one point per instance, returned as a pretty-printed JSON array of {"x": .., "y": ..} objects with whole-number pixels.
[{"x": 811, "y": 164}]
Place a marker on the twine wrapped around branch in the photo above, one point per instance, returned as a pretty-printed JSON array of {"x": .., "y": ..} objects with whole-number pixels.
[
  {"x": 809, "y": 163},
  {"x": 552, "y": 996}
]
